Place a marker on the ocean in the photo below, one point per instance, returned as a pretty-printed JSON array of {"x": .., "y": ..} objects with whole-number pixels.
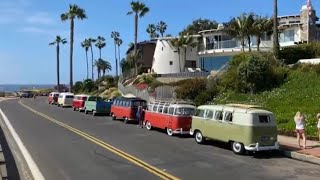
[{"x": 18, "y": 87}]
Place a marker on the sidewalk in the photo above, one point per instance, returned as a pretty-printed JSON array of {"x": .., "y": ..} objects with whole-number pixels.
[{"x": 289, "y": 148}]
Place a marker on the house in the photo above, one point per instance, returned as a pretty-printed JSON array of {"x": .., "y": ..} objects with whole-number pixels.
[
  {"x": 145, "y": 51},
  {"x": 216, "y": 47}
]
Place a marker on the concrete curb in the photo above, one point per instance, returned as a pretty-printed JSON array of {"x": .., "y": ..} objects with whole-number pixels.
[
  {"x": 3, "y": 168},
  {"x": 300, "y": 157}
]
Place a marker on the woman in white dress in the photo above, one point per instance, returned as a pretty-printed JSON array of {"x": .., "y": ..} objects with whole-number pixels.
[{"x": 299, "y": 119}]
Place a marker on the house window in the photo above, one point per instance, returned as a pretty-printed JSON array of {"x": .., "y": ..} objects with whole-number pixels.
[
  {"x": 170, "y": 63},
  {"x": 287, "y": 36},
  {"x": 265, "y": 37}
]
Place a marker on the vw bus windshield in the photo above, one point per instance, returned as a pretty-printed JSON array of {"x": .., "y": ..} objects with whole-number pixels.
[{"x": 184, "y": 111}]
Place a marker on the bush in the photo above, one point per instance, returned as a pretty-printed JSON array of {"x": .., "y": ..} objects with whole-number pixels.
[
  {"x": 191, "y": 88},
  {"x": 78, "y": 87},
  {"x": 293, "y": 54},
  {"x": 89, "y": 85}
]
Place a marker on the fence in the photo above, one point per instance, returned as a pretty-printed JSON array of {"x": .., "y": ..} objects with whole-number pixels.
[{"x": 185, "y": 74}]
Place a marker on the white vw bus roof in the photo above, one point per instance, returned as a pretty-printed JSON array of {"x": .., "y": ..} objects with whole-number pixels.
[{"x": 243, "y": 108}]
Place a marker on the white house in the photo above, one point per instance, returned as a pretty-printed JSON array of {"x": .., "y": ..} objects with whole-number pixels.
[{"x": 168, "y": 59}]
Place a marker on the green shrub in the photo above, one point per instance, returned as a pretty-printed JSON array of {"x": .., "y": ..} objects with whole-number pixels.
[
  {"x": 78, "y": 87},
  {"x": 191, "y": 88},
  {"x": 293, "y": 54},
  {"x": 89, "y": 85}
]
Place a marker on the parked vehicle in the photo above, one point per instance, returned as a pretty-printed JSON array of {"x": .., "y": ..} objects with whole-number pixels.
[
  {"x": 53, "y": 97},
  {"x": 245, "y": 127},
  {"x": 174, "y": 117},
  {"x": 96, "y": 105},
  {"x": 25, "y": 94},
  {"x": 126, "y": 108},
  {"x": 78, "y": 102},
  {"x": 65, "y": 99}
]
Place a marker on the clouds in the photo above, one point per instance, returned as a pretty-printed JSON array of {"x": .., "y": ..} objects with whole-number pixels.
[{"x": 40, "y": 18}]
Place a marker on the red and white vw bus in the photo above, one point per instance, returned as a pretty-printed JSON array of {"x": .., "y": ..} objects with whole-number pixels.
[
  {"x": 78, "y": 102},
  {"x": 174, "y": 117},
  {"x": 126, "y": 108},
  {"x": 53, "y": 97}
]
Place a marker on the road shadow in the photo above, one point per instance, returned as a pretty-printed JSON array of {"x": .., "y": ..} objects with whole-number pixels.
[{"x": 12, "y": 170}]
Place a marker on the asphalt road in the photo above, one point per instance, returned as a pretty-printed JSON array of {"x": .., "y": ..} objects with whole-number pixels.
[{"x": 63, "y": 154}]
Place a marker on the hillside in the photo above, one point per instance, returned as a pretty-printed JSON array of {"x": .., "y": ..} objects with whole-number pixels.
[{"x": 301, "y": 92}]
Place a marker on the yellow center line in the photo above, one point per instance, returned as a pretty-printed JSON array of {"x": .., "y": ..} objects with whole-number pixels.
[{"x": 134, "y": 160}]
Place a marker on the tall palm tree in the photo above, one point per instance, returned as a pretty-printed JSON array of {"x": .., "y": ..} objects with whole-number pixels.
[
  {"x": 115, "y": 36},
  {"x": 183, "y": 42},
  {"x": 105, "y": 66},
  {"x": 276, "y": 46},
  {"x": 86, "y": 45},
  {"x": 91, "y": 42},
  {"x": 100, "y": 43},
  {"x": 119, "y": 43},
  {"x": 139, "y": 10},
  {"x": 57, "y": 43},
  {"x": 74, "y": 12},
  {"x": 162, "y": 27},
  {"x": 241, "y": 28},
  {"x": 98, "y": 65},
  {"x": 261, "y": 25},
  {"x": 152, "y": 30}
]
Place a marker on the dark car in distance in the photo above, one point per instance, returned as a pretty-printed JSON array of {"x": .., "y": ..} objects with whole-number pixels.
[{"x": 25, "y": 94}]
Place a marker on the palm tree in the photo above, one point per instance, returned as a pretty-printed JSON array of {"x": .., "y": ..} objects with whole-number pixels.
[
  {"x": 261, "y": 25},
  {"x": 241, "y": 28},
  {"x": 100, "y": 44},
  {"x": 98, "y": 65},
  {"x": 57, "y": 43},
  {"x": 151, "y": 29},
  {"x": 276, "y": 46},
  {"x": 105, "y": 66},
  {"x": 119, "y": 43},
  {"x": 183, "y": 42},
  {"x": 86, "y": 45},
  {"x": 91, "y": 42},
  {"x": 139, "y": 10},
  {"x": 162, "y": 27},
  {"x": 74, "y": 12},
  {"x": 115, "y": 36}
]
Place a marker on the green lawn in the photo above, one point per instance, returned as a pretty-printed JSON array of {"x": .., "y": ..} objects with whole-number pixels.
[{"x": 300, "y": 93}]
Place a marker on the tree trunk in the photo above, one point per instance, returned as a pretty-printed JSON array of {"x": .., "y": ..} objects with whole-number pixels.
[
  {"x": 258, "y": 43},
  {"x": 87, "y": 64},
  {"x": 58, "y": 68},
  {"x": 249, "y": 43},
  {"x": 242, "y": 44},
  {"x": 71, "y": 54},
  {"x": 185, "y": 59},
  {"x": 118, "y": 56},
  {"x": 100, "y": 52},
  {"x": 276, "y": 46},
  {"x": 115, "y": 56},
  {"x": 179, "y": 59},
  {"x": 92, "y": 65},
  {"x": 135, "y": 42}
]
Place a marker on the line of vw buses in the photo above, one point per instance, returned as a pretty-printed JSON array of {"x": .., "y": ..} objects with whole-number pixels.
[{"x": 244, "y": 127}]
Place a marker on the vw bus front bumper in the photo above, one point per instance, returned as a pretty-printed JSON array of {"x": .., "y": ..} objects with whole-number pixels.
[
  {"x": 257, "y": 147},
  {"x": 180, "y": 131}
]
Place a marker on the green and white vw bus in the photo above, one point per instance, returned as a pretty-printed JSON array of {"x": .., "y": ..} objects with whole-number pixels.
[{"x": 245, "y": 127}]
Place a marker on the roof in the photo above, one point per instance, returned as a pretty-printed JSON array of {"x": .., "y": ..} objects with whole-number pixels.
[
  {"x": 67, "y": 93},
  {"x": 244, "y": 108},
  {"x": 55, "y": 93},
  {"x": 289, "y": 16},
  {"x": 131, "y": 98},
  {"x": 82, "y": 95}
]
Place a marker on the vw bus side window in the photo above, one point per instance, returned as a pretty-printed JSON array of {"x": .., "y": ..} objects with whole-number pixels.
[
  {"x": 160, "y": 109},
  {"x": 150, "y": 107},
  {"x": 184, "y": 111},
  {"x": 264, "y": 119},
  {"x": 165, "y": 109},
  {"x": 218, "y": 115},
  {"x": 155, "y": 107},
  {"x": 171, "y": 110},
  {"x": 228, "y": 116},
  {"x": 199, "y": 113},
  {"x": 208, "y": 114}
]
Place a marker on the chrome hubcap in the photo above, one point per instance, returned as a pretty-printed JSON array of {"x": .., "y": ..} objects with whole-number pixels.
[
  {"x": 237, "y": 146},
  {"x": 198, "y": 137}
]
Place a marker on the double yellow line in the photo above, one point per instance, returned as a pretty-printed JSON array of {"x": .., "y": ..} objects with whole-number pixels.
[{"x": 134, "y": 160}]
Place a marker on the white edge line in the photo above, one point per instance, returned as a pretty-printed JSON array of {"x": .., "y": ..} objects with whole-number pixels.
[{"x": 35, "y": 171}]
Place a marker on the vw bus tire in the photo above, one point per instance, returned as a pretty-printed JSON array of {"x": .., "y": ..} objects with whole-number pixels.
[
  {"x": 238, "y": 148},
  {"x": 199, "y": 137},
  {"x": 148, "y": 125},
  {"x": 86, "y": 111},
  {"x": 126, "y": 120},
  {"x": 94, "y": 113},
  {"x": 113, "y": 116},
  {"x": 169, "y": 131},
  {"x": 74, "y": 109}
]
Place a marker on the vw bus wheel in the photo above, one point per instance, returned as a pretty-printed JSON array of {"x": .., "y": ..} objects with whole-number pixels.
[
  {"x": 126, "y": 120},
  {"x": 238, "y": 148},
  {"x": 148, "y": 125},
  {"x": 113, "y": 117},
  {"x": 94, "y": 113},
  {"x": 86, "y": 111},
  {"x": 74, "y": 109},
  {"x": 198, "y": 137},
  {"x": 169, "y": 131}
]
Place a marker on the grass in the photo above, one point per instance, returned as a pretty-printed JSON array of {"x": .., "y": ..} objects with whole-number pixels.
[{"x": 300, "y": 93}]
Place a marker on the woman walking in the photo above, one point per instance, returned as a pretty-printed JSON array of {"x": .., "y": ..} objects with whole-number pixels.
[
  {"x": 299, "y": 119},
  {"x": 139, "y": 116}
]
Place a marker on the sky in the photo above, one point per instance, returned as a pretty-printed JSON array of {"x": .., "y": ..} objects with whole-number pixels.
[{"x": 28, "y": 26}]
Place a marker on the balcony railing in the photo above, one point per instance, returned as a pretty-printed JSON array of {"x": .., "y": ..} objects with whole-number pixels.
[{"x": 219, "y": 45}]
